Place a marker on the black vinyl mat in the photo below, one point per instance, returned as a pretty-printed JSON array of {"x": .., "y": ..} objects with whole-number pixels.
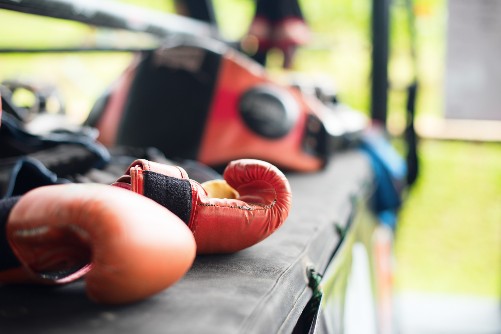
[{"x": 262, "y": 289}]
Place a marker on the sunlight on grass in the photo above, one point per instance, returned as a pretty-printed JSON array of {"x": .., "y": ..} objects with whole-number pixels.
[
  {"x": 450, "y": 233},
  {"x": 80, "y": 79},
  {"x": 34, "y": 31}
]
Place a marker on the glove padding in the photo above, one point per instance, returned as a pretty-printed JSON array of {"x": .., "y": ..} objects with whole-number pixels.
[
  {"x": 225, "y": 216},
  {"x": 127, "y": 246}
]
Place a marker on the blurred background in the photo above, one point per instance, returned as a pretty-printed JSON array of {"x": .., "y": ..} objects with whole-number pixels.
[{"x": 448, "y": 239}]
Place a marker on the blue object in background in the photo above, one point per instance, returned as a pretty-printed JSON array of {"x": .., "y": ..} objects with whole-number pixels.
[
  {"x": 390, "y": 171},
  {"x": 28, "y": 174}
]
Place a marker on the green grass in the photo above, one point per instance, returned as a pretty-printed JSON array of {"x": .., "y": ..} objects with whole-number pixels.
[{"x": 449, "y": 237}]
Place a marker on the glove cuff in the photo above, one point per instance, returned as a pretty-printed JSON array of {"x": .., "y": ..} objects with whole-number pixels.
[
  {"x": 167, "y": 185},
  {"x": 170, "y": 192}
]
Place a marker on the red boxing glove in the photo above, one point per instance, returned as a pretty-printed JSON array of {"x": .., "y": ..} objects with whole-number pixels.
[
  {"x": 127, "y": 246},
  {"x": 224, "y": 215}
]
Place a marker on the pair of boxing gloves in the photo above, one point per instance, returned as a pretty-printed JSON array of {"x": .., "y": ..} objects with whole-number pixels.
[{"x": 130, "y": 247}]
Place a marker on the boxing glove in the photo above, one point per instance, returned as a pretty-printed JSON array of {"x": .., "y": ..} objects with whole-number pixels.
[
  {"x": 239, "y": 110},
  {"x": 127, "y": 246},
  {"x": 225, "y": 216}
]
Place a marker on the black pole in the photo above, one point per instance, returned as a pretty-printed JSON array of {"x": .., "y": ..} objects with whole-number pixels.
[
  {"x": 380, "y": 49},
  {"x": 413, "y": 163},
  {"x": 411, "y": 136},
  {"x": 75, "y": 49}
]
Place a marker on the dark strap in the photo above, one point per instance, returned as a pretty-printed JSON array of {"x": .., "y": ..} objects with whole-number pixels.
[
  {"x": 411, "y": 137},
  {"x": 28, "y": 174},
  {"x": 66, "y": 161},
  {"x": 171, "y": 192},
  {"x": 7, "y": 258}
]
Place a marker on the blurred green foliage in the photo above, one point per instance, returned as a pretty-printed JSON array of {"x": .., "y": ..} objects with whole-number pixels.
[{"x": 449, "y": 237}]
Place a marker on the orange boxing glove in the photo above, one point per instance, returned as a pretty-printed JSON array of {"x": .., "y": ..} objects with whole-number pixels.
[
  {"x": 226, "y": 215},
  {"x": 127, "y": 246}
]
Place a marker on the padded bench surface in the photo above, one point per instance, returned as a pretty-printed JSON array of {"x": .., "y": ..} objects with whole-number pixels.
[{"x": 262, "y": 289}]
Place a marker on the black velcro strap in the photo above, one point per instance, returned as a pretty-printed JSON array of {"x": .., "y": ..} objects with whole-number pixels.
[
  {"x": 7, "y": 258},
  {"x": 171, "y": 192}
]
